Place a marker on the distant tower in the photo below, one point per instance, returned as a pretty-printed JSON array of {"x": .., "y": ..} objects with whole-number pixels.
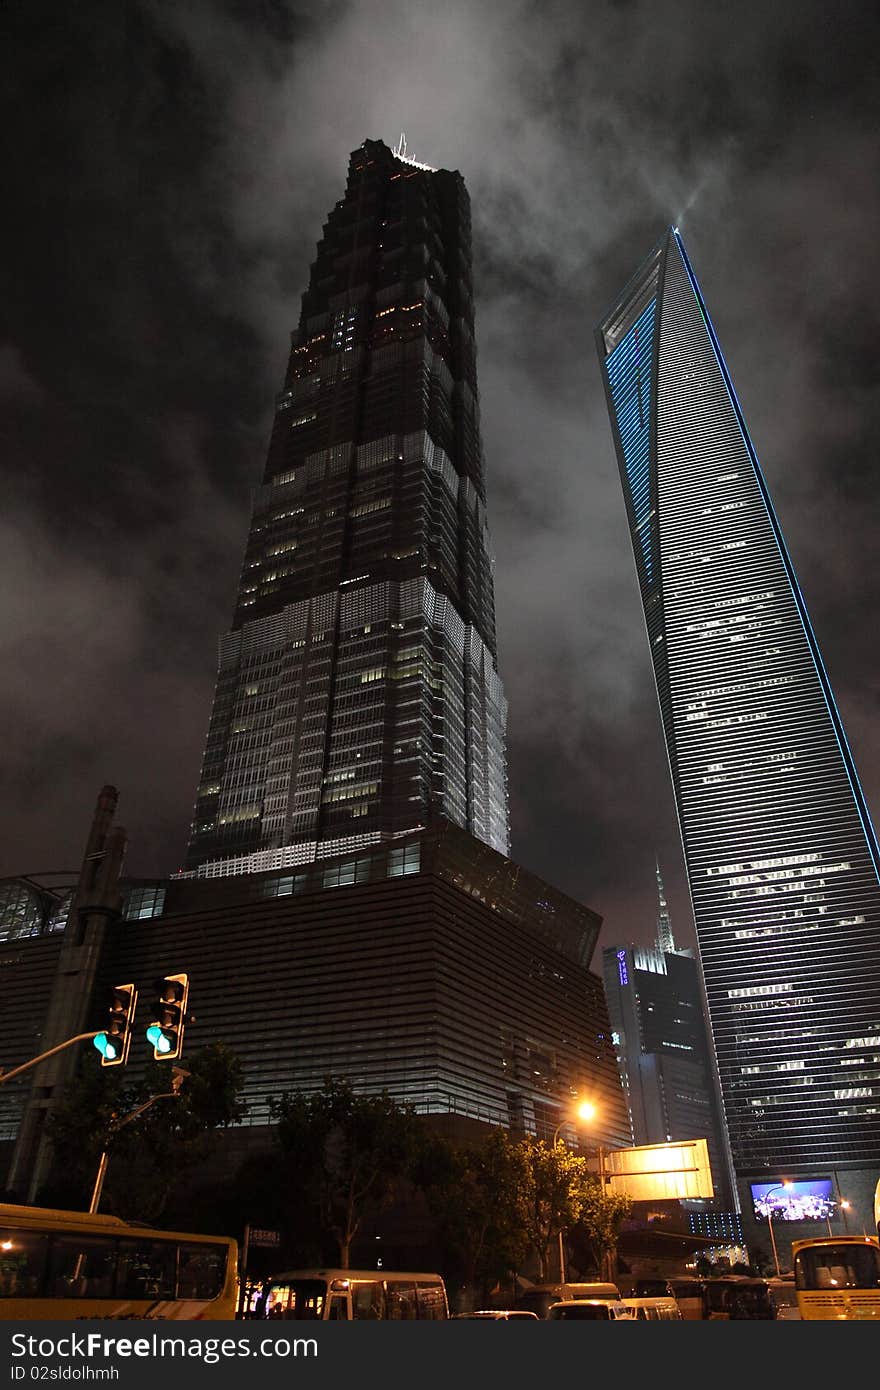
[
  {"x": 662, "y": 1046},
  {"x": 358, "y": 695},
  {"x": 781, "y": 855},
  {"x": 664, "y": 922}
]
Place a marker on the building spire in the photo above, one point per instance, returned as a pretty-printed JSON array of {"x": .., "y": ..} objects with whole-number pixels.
[
  {"x": 399, "y": 152},
  {"x": 664, "y": 924}
]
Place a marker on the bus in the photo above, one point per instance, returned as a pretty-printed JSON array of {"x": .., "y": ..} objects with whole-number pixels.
[
  {"x": 732, "y": 1297},
  {"x": 69, "y": 1264},
  {"x": 837, "y": 1277},
  {"x": 341, "y": 1295}
]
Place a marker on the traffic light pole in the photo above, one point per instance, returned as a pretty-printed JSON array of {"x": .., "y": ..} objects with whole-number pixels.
[
  {"x": 116, "y": 1125},
  {"x": 16, "y": 1071}
]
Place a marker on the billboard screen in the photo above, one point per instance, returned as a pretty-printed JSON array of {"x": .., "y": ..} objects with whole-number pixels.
[
  {"x": 660, "y": 1172},
  {"x": 796, "y": 1201}
]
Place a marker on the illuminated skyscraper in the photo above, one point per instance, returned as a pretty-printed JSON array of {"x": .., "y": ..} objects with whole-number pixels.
[
  {"x": 358, "y": 694},
  {"x": 661, "y": 1040},
  {"x": 781, "y": 855}
]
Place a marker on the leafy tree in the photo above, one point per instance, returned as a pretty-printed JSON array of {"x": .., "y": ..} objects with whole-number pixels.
[
  {"x": 472, "y": 1193},
  {"x": 552, "y": 1188},
  {"x": 601, "y": 1216},
  {"x": 351, "y": 1152},
  {"x": 153, "y": 1153}
]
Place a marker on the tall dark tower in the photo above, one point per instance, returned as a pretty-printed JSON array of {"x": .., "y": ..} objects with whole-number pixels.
[
  {"x": 358, "y": 695},
  {"x": 781, "y": 854}
]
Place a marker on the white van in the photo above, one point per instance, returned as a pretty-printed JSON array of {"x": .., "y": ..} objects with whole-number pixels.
[
  {"x": 539, "y": 1297},
  {"x": 590, "y": 1310},
  {"x": 654, "y": 1309}
]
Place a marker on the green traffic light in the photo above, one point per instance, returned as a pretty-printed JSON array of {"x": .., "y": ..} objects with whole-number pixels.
[
  {"x": 106, "y": 1047},
  {"x": 157, "y": 1038}
]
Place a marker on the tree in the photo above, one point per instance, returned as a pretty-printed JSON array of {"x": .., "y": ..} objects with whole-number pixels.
[
  {"x": 552, "y": 1189},
  {"x": 472, "y": 1194},
  {"x": 352, "y": 1152},
  {"x": 154, "y": 1155},
  {"x": 601, "y": 1216}
]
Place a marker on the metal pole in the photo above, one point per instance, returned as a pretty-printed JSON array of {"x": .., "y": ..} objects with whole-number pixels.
[
  {"x": 607, "y": 1261},
  {"x": 773, "y": 1241},
  {"x": 16, "y": 1071},
  {"x": 780, "y": 1187},
  {"x": 99, "y": 1183},
  {"x": 242, "y": 1269},
  {"x": 556, "y": 1133},
  {"x": 115, "y": 1125}
]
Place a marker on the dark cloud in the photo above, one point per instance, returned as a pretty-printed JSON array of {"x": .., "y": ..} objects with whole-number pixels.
[{"x": 173, "y": 166}]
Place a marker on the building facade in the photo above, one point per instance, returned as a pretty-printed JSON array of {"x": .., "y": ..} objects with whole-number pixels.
[
  {"x": 434, "y": 969},
  {"x": 662, "y": 1043},
  {"x": 781, "y": 855},
  {"x": 358, "y": 693}
]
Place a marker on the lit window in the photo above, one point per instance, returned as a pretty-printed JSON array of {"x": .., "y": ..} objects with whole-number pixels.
[{"x": 142, "y": 903}]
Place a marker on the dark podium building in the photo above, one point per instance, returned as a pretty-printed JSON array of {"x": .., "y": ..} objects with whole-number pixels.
[{"x": 435, "y": 969}]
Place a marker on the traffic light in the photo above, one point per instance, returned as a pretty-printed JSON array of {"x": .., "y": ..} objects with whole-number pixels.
[
  {"x": 113, "y": 1043},
  {"x": 169, "y": 1016}
]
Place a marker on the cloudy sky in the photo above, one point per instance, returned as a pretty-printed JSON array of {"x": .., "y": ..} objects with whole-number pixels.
[{"x": 172, "y": 164}]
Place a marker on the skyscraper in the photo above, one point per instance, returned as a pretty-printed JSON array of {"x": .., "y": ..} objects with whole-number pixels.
[
  {"x": 358, "y": 722},
  {"x": 661, "y": 1040},
  {"x": 781, "y": 855},
  {"x": 358, "y": 694}
]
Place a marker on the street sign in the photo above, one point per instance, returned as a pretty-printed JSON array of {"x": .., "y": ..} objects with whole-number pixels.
[
  {"x": 264, "y": 1238},
  {"x": 657, "y": 1172}
]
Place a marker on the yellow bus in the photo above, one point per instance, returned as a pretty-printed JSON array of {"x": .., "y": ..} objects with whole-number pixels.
[
  {"x": 837, "y": 1277},
  {"x": 333, "y": 1295},
  {"x": 68, "y": 1264}
]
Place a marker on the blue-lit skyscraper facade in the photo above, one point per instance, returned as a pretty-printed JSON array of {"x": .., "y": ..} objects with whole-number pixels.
[{"x": 781, "y": 856}]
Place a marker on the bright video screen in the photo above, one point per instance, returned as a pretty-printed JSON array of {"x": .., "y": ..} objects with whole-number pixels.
[{"x": 798, "y": 1201}]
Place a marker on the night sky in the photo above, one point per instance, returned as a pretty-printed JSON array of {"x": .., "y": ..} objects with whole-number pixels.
[{"x": 168, "y": 172}]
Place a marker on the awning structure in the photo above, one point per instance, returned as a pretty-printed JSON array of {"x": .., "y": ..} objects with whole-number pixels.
[{"x": 662, "y": 1245}]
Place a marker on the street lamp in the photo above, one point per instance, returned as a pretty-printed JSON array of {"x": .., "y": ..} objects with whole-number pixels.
[
  {"x": 586, "y": 1111},
  {"x": 845, "y": 1207},
  {"x": 780, "y": 1187}
]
